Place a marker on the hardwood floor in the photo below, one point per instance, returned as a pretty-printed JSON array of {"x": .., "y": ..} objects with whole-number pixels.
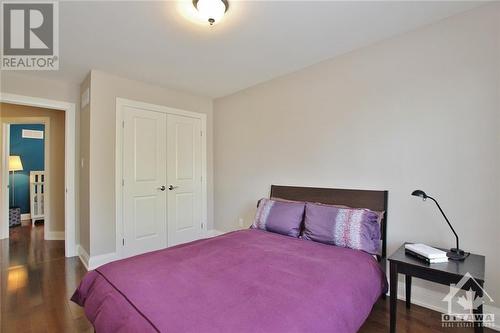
[
  {"x": 415, "y": 320},
  {"x": 37, "y": 281}
]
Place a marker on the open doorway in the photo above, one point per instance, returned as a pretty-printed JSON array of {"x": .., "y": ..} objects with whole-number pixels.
[
  {"x": 51, "y": 187},
  {"x": 33, "y": 146},
  {"x": 27, "y": 175}
]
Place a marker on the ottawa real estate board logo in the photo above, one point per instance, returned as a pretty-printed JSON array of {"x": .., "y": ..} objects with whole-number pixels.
[
  {"x": 30, "y": 37},
  {"x": 465, "y": 305}
]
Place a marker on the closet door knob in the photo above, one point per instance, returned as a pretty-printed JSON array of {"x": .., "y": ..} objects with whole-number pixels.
[
  {"x": 171, "y": 187},
  {"x": 162, "y": 188}
]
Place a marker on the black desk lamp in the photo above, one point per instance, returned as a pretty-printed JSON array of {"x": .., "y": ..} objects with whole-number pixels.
[{"x": 455, "y": 253}]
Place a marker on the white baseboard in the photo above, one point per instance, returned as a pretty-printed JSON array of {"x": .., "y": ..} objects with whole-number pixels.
[
  {"x": 25, "y": 217},
  {"x": 99, "y": 260},
  {"x": 54, "y": 235},
  {"x": 431, "y": 299},
  {"x": 83, "y": 255},
  {"x": 487, "y": 309},
  {"x": 92, "y": 263},
  {"x": 496, "y": 311},
  {"x": 214, "y": 232}
]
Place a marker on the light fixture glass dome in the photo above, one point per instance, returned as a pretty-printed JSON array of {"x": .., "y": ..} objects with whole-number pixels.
[{"x": 211, "y": 10}]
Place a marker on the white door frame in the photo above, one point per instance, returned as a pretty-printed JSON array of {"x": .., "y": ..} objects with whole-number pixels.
[
  {"x": 6, "y": 123},
  {"x": 120, "y": 103},
  {"x": 69, "y": 167}
]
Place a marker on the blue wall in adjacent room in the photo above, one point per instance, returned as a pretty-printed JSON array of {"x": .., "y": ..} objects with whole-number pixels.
[{"x": 32, "y": 157}]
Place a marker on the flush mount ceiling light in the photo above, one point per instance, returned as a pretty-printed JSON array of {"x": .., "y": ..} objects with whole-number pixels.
[{"x": 211, "y": 10}]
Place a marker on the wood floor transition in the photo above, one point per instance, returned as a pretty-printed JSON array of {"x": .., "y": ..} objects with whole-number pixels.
[{"x": 37, "y": 281}]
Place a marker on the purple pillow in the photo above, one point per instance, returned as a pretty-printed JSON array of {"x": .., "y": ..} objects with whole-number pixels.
[
  {"x": 355, "y": 228},
  {"x": 279, "y": 216}
]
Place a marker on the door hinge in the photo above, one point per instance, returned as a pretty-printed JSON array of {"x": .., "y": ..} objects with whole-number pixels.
[
  {"x": 123, "y": 241},
  {"x": 201, "y": 133},
  {"x": 202, "y": 225},
  {"x": 123, "y": 182},
  {"x": 123, "y": 123}
]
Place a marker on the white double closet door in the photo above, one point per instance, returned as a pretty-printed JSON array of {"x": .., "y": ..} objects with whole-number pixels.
[{"x": 162, "y": 180}]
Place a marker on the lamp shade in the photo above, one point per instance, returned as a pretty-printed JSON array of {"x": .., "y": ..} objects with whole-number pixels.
[
  {"x": 15, "y": 163},
  {"x": 211, "y": 10},
  {"x": 419, "y": 193}
]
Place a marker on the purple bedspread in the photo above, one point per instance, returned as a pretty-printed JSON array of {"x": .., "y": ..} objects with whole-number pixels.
[{"x": 244, "y": 281}]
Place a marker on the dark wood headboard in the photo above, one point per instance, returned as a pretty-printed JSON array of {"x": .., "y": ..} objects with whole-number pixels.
[{"x": 374, "y": 200}]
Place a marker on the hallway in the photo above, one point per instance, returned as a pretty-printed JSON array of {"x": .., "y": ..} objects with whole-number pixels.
[{"x": 36, "y": 283}]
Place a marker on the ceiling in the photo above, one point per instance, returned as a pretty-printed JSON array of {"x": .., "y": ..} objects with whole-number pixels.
[{"x": 159, "y": 42}]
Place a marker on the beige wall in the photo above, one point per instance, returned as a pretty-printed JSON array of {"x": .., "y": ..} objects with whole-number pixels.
[
  {"x": 55, "y": 176},
  {"x": 418, "y": 111},
  {"x": 28, "y": 84},
  {"x": 105, "y": 88}
]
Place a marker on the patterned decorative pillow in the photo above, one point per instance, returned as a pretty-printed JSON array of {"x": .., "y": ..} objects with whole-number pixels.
[
  {"x": 355, "y": 228},
  {"x": 281, "y": 217},
  {"x": 380, "y": 214}
]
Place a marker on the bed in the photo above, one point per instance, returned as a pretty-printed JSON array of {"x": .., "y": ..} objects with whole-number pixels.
[{"x": 243, "y": 281}]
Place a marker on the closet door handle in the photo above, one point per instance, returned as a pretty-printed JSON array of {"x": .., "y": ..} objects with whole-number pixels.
[
  {"x": 162, "y": 188},
  {"x": 171, "y": 187}
]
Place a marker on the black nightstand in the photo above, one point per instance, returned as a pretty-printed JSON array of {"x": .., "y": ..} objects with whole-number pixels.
[{"x": 444, "y": 273}]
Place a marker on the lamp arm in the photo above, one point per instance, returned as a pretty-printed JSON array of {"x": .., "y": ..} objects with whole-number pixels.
[{"x": 447, "y": 221}]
